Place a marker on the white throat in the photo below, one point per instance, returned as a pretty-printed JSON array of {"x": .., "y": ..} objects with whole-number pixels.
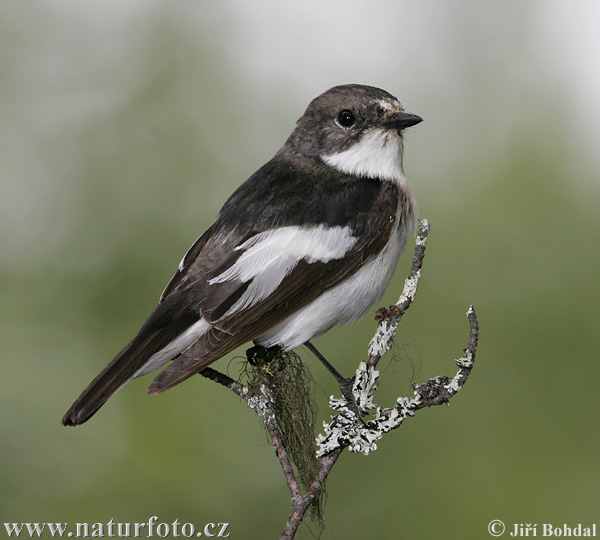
[{"x": 378, "y": 154}]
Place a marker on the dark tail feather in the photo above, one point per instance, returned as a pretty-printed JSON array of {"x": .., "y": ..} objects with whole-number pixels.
[
  {"x": 169, "y": 320},
  {"x": 189, "y": 363},
  {"x": 112, "y": 377}
]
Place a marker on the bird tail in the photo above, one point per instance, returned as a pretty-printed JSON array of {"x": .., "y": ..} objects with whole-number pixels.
[
  {"x": 112, "y": 377},
  {"x": 171, "y": 329}
]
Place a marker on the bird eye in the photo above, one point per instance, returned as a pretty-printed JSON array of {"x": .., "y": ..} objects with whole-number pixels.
[{"x": 346, "y": 118}]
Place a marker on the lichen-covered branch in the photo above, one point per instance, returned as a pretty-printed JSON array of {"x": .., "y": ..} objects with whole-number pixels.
[
  {"x": 389, "y": 318},
  {"x": 261, "y": 404},
  {"x": 346, "y": 429}
]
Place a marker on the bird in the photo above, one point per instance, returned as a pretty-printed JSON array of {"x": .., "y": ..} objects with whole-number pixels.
[{"x": 308, "y": 242}]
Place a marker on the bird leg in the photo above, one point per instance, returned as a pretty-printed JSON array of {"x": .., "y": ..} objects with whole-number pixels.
[{"x": 345, "y": 383}]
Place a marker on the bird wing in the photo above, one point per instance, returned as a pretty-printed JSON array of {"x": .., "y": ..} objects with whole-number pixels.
[{"x": 270, "y": 276}]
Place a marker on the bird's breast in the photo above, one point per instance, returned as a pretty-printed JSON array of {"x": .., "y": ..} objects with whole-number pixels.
[{"x": 347, "y": 302}]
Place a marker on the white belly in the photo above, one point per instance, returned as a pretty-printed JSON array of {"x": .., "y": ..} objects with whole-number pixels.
[{"x": 347, "y": 302}]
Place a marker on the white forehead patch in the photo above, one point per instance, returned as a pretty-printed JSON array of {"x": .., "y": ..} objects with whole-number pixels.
[{"x": 389, "y": 106}]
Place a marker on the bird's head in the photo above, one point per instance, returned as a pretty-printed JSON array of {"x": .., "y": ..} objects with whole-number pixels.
[{"x": 356, "y": 129}]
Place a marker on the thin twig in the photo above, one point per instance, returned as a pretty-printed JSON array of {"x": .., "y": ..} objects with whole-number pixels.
[
  {"x": 262, "y": 407},
  {"x": 301, "y": 505},
  {"x": 389, "y": 318},
  {"x": 233, "y": 385},
  {"x": 440, "y": 390},
  {"x": 346, "y": 430}
]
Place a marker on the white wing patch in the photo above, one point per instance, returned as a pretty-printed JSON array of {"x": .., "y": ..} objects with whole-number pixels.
[
  {"x": 271, "y": 255},
  {"x": 357, "y": 293},
  {"x": 378, "y": 154}
]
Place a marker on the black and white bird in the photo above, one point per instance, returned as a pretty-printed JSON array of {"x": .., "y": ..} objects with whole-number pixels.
[{"x": 309, "y": 241}]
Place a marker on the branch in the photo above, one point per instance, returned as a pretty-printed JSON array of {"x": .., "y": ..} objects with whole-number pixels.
[
  {"x": 262, "y": 407},
  {"x": 302, "y": 504},
  {"x": 347, "y": 430},
  {"x": 389, "y": 318}
]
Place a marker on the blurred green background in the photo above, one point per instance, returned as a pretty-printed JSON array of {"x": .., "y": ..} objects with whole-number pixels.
[{"x": 125, "y": 126}]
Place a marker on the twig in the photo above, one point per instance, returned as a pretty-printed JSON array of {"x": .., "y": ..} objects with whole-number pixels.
[
  {"x": 346, "y": 430},
  {"x": 262, "y": 407},
  {"x": 302, "y": 504},
  {"x": 389, "y": 318}
]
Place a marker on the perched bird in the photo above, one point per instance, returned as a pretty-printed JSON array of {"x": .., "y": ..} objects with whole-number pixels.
[{"x": 309, "y": 241}]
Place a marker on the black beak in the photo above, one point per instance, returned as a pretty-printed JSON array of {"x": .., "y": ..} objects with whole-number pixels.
[{"x": 403, "y": 120}]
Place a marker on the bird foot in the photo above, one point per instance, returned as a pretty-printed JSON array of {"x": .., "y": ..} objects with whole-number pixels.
[
  {"x": 259, "y": 355},
  {"x": 346, "y": 385}
]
